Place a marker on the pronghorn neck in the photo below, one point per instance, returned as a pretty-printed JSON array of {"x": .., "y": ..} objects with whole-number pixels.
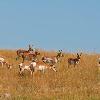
[
  {"x": 56, "y": 59},
  {"x": 77, "y": 60}
]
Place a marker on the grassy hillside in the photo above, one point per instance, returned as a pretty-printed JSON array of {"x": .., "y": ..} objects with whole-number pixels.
[{"x": 79, "y": 83}]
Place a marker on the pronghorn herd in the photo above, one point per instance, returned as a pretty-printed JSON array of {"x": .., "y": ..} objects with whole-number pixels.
[
  {"x": 45, "y": 62},
  {"x": 42, "y": 65},
  {"x": 35, "y": 66}
]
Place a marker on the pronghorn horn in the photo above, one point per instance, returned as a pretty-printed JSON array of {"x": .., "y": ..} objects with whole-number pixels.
[{"x": 77, "y": 54}]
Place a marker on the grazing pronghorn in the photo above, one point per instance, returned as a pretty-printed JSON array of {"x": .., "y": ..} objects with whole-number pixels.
[
  {"x": 29, "y": 67},
  {"x": 41, "y": 66},
  {"x": 52, "y": 60},
  {"x": 74, "y": 61},
  {"x": 3, "y": 62}
]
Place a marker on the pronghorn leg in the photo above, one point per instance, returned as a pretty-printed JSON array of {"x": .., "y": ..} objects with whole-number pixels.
[
  {"x": 2, "y": 64},
  {"x": 74, "y": 65},
  {"x": 43, "y": 71},
  {"x": 68, "y": 65},
  {"x": 21, "y": 70},
  {"x": 31, "y": 72},
  {"x": 31, "y": 69},
  {"x": 23, "y": 59}
]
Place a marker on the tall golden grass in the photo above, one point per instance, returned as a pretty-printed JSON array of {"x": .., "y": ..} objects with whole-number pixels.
[{"x": 79, "y": 83}]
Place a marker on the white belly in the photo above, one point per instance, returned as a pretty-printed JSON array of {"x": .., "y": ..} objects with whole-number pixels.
[
  {"x": 41, "y": 67},
  {"x": 27, "y": 67},
  {"x": 1, "y": 59}
]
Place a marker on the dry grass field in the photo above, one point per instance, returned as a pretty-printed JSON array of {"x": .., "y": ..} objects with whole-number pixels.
[{"x": 79, "y": 83}]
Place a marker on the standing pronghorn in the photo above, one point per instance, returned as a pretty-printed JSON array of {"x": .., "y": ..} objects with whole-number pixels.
[{"x": 74, "y": 61}]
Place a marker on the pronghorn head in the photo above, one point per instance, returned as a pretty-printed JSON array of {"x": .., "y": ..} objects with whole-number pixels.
[
  {"x": 37, "y": 53},
  {"x": 44, "y": 59},
  {"x": 9, "y": 66},
  {"x": 59, "y": 54},
  {"x": 79, "y": 56},
  {"x": 34, "y": 60}
]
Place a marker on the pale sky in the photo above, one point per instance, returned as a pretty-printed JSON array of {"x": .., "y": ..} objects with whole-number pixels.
[{"x": 50, "y": 24}]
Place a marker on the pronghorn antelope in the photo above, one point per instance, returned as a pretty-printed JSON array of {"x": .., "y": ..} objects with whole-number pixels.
[
  {"x": 41, "y": 66},
  {"x": 29, "y": 67},
  {"x": 27, "y": 54},
  {"x": 30, "y": 56},
  {"x": 52, "y": 60},
  {"x": 74, "y": 61},
  {"x": 20, "y": 52},
  {"x": 3, "y": 62}
]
